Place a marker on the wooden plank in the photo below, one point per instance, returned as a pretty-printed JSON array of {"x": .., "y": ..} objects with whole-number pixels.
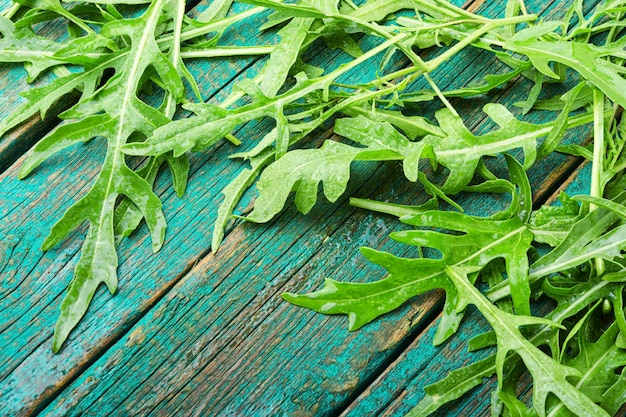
[
  {"x": 13, "y": 83},
  {"x": 31, "y": 278},
  {"x": 29, "y": 208},
  {"x": 401, "y": 386},
  {"x": 213, "y": 346},
  {"x": 210, "y": 327}
]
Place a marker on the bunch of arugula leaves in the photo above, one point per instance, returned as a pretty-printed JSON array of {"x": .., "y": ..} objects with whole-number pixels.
[{"x": 124, "y": 65}]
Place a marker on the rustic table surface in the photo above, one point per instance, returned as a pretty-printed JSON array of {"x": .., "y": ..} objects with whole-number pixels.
[{"x": 193, "y": 332}]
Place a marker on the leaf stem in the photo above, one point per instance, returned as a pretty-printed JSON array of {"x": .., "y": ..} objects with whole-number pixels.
[
  {"x": 175, "y": 54},
  {"x": 597, "y": 169},
  {"x": 444, "y": 57},
  {"x": 397, "y": 210},
  {"x": 10, "y": 12},
  {"x": 448, "y": 9},
  {"x": 216, "y": 26},
  {"x": 227, "y": 52},
  {"x": 440, "y": 95}
]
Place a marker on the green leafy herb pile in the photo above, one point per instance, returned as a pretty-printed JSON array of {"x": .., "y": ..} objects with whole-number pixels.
[{"x": 123, "y": 66}]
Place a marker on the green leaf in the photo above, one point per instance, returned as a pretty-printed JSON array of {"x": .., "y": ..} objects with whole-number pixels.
[
  {"x": 453, "y": 386},
  {"x": 597, "y": 363},
  {"x": 460, "y": 150},
  {"x": 302, "y": 170},
  {"x": 284, "y": 55},
  {"x": 23, "y": 45},
  {"x": 233, "y": 192},
  {"x": 115, "y": 112},
  {"x": 39, "y": 100},
  {"x": 128, "y": 215},
  {"x": 587, "y": 59},
  {"x": 480, "y": 241},
  {"x": 581, "y": 246},
  {"x": 589, "y": 238},
  {"x": 491, "y": 81},
  {"x": 549, "y": 376},
  {"x": 551, "y": 224},
  {"x": 613, "y": 206},
  {"x": 533, "y": 94},
  {"x": 561, "y": 123},
  {"x": 412, "y": 126},
  {"x": 213, "y": 122},
  {"x": 570, "y": 302}
]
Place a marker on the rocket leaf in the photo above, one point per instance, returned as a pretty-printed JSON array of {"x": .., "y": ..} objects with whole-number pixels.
[
  {"x": 115, "y": 112},
  {"x": 302, "y": 170},
  {"x": 460, "y": 150},
  {"x": 587, "y": 59},
  {"x": 480, "y": 241}
]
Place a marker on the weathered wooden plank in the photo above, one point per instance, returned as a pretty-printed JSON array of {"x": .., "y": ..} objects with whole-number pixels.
[
  {"x": 28, "y": 210},
  {"x": 20, "y": 336},
  {"x": 214, "y": 346},
  {"x": 13, "y": 83},
  {"x": 401, "y": 386},
  {"x": 210, "y": 324}
]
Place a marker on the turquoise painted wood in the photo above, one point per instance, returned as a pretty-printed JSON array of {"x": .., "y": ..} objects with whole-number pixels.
[
  {"x": 400, "y": 387},
  {"x": 190, "y": 332}
]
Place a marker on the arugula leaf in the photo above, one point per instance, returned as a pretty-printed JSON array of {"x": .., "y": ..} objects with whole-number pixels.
[
  {"x": 115, "y": 112},
  {"x": 233, "y": 192},
  {"x": 453, "y": 386},
  {"x": 460, "y": 150},
  {"x": 412, "y": 126},
  {"x": 549, "y": 376},
  {"x": 302, "y": 170},
  {"x": 589, "y": 238},
  {"x": 571, "y": 301},
  {"x": 597, "y": 363},
  {"x": 39, "y": 100},
  {"x": 551, "y": 224},
  {"x": 587, "y": 59},
  {"x": 23, "y": 45},
  {"x": 183, "y": 135},
  {"x": 481, "y": 241}
]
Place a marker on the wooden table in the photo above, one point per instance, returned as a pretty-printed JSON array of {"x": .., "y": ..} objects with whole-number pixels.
[{"x": 193, "y": 332}]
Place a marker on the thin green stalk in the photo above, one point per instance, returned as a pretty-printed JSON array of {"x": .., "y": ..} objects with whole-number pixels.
[
  {"x": 597, "y": 169},
  {"x": 522, "y": 7},
  {"x": 212, "y": 27},
  {"x": 233, "y": 139},
  {"x": 10, "y": 12},
  {"x": 448, "y": 9},
  {"x": 78, "y": 22},
  {"x": 227, "y": 52},
  {"x": 216, "y": 26},
  {"x": 440, "y": 95},
  {"x": 444, "y": 57},
  {"x": 397, "y": 210},
  {"x": 411, "y": 22},
  {"x": 61, "y": 71},
  {"x": 175, "y": 54}
]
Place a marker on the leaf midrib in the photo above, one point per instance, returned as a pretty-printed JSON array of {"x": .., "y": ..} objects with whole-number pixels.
[
  {"x": 461, "y": 262},
  {"x": 503, "y": 145},
  {"x": 127, "y": 98},
  {"x": 525, "y": 347}
]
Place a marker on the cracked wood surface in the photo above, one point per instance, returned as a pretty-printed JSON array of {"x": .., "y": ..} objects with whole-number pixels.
[{"x": 195, "y": 333}]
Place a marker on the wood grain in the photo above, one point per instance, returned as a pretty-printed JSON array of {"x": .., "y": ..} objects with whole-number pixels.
[
  {"x": 401, "y": 386},
  {"x": 193, "y": 333}
]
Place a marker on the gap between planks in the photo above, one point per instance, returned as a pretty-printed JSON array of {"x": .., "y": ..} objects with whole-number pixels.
[
  {"x": 394, "y": 405},
  {"x": 155, "y": 300}
]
